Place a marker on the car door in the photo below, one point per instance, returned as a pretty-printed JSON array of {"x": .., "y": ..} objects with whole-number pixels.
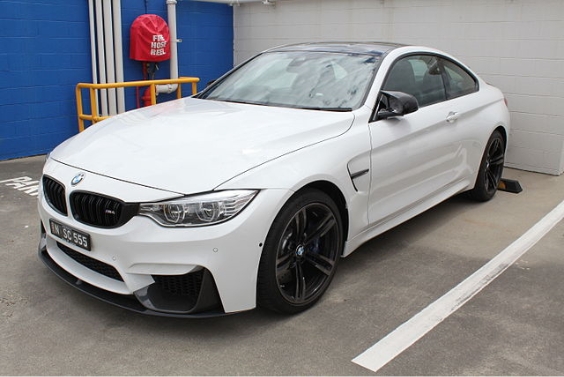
[{"x": 415, "y": 158}]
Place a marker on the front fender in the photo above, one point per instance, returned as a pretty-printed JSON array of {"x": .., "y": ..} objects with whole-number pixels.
[{"x": 343, "y": 161}]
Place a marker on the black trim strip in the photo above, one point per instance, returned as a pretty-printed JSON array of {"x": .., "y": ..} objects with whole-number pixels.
[{"x": 359, "y": 173}]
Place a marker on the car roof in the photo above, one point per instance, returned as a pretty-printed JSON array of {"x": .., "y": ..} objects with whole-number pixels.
[{"x": 370, "y": 48}]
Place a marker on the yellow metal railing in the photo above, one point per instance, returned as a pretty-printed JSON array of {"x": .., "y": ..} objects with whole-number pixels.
[{"x": 95, "y": 117}]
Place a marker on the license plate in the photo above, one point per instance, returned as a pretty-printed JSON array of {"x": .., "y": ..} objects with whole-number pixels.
[{"x": 70, "y": 235}]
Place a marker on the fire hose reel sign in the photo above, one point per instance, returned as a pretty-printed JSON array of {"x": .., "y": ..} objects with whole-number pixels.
[{"x": 158, "y": 46}]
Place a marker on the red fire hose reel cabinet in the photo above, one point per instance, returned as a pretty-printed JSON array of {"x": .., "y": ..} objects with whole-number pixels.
[{"x": 150, "y": 39}]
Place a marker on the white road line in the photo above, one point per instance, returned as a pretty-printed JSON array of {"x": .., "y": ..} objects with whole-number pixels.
[{"x": 414, "y": 329}]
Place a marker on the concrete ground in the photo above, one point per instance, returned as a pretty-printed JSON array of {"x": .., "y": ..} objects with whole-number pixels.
[{"x": 514, "y": 326}]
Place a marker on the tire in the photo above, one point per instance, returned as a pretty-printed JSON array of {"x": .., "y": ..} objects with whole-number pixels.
[
  {"x": 300, "y": 254},
  {"x": 491, "y": 168}
]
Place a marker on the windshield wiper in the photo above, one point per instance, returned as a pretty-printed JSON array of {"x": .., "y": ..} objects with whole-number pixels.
[{"x": 337, "y": 109}]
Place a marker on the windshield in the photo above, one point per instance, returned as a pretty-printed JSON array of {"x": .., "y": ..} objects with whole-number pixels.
[{"x": 300, "y": 79}]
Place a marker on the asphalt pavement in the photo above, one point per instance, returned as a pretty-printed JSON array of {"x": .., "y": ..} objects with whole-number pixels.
[{"x": 512, "y": 326}]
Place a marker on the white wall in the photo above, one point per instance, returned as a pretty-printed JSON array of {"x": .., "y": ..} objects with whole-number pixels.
[{"x": 517, "y": 45}]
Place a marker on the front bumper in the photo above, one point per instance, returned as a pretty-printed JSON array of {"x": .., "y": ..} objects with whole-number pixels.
[
  {"x": 141, "y": 266},
  {"x": 164, "y": 299}
]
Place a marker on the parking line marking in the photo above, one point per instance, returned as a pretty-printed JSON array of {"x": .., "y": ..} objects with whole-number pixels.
[
  {"x": 419, "y": 325},
  {"x": 24, "y": 184}
]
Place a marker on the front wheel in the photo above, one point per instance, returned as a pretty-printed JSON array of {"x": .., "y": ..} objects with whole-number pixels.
[
  {"x": 301, "y": 253},
  {"x": 491, "y": 168}
]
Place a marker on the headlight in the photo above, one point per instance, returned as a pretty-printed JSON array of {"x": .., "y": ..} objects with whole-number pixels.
[{"x": 207, "y": 209}]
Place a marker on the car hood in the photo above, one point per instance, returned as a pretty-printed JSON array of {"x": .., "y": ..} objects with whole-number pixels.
[{"x": 192, "y": 145}]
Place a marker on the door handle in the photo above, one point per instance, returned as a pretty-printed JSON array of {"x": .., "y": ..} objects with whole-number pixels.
[{"x": 452, "y": 116}]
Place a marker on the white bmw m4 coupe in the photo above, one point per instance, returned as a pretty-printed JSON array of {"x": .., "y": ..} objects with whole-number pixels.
[{"x": 251, "y": 191}]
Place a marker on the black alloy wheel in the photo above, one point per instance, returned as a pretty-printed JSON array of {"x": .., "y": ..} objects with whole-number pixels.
[
  {"x": 301, "y": 253},
  {"x": 491, "y": 169}
]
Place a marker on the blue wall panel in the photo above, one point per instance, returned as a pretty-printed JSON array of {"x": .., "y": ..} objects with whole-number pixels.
[{"x": 45, "y": 52}]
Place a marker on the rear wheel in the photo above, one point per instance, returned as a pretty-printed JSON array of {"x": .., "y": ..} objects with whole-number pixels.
[
  {"x": 491, "y": 169},
  {"x": 301, "y": 253}
]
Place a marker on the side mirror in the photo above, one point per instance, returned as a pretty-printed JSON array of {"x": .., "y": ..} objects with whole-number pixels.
[{"x": 393, "y": 104}]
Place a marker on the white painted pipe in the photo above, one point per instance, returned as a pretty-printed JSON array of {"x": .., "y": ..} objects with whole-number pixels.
[
  {"x": 171, "y": 16},
  {"x": 171, "y": 8},
  {"x": 93, "y": 41},
  {"x": 101, "y": 57},
  {"x": 110, "y": 61},
  {"x": 118, "y": 51}
]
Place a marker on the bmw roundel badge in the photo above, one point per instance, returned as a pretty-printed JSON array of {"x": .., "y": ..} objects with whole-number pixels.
[{"x": 77, "y": 179}]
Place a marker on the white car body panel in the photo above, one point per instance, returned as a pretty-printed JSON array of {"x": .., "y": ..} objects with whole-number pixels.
[{"x": 204, "y": 138}]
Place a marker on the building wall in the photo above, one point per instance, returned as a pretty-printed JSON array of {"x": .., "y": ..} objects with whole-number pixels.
[
  {"x": 517, "y": 45},
  {"x": 38, "y": 42},
  {"x": 45, "y": 52}
]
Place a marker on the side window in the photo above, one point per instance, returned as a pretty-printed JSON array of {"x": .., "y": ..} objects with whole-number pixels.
[
  {"x": 420, "y": 76},
  {"x": 459, "y": 82}
]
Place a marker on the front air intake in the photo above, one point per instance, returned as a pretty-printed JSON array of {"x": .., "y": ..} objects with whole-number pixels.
[{"x": 91, "y": 263}]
